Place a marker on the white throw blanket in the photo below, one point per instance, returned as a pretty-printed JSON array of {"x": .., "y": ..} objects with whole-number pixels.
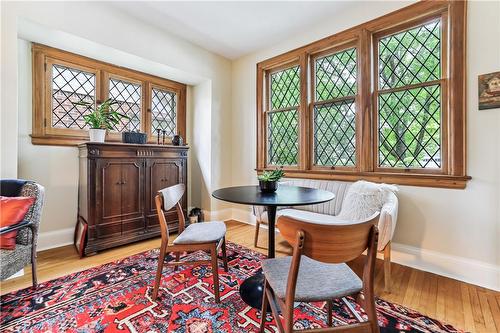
[{"x": 363, "y": 199}]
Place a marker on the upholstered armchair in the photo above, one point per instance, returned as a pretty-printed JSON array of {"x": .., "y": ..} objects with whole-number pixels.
[{"x": 13, "y": 261}]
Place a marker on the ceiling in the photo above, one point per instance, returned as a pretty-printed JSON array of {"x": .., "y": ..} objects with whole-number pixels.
[{"x": 232, "y": 29}]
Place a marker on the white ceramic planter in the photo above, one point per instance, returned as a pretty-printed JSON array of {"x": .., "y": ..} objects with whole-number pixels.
[{"x": 97, "y": 135}]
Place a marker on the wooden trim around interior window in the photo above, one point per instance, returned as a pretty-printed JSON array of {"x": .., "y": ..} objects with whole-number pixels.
[
  {"x": 453, "y": 173},
  {"x": 44, "y": 56}
]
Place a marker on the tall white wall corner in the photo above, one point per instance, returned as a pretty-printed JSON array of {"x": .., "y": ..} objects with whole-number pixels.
[
  {"x": 57, "y": 238},
  {"x": 471, "y": 271}
]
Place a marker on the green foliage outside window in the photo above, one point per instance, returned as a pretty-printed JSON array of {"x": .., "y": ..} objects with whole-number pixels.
[{"x": 409, "y": 104}]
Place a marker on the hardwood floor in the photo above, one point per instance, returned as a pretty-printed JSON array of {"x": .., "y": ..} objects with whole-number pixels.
[{"x": 462, "y": 305}]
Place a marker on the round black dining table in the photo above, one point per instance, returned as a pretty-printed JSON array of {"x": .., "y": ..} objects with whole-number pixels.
[{"x": 251, "y": 290}]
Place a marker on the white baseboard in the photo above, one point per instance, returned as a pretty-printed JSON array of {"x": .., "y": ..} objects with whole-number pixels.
[
  {"x": 463, "y": 269},
  {"x": 57, "y": 238},
  {"x": 218, "y": 215},
  {"x": 468, "y": 270}
]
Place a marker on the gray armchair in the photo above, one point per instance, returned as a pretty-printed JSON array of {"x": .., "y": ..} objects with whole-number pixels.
[{"x": 12, "y": 261}]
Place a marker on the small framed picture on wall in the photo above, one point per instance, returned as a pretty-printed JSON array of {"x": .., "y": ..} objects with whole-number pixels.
[{"x": 489, "y": 91}]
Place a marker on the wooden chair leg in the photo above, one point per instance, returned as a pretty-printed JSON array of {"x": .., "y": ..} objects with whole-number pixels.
[
  {"x": 161, "y": 260},
  {"x": 371, "y": 311},
  {"x": 263, "y": 312},
  {"x": 215, "y": 272},
  {"x": 256, "y": 237},
  {"x": 34, "y": 279},
  {"x": 224, "y": 254},
  {"x": 177, "y": 258},
  {"x": 288, "y": 317},
  {"x": 387, "y": 268},
  {"x": 329, "y": 310}
]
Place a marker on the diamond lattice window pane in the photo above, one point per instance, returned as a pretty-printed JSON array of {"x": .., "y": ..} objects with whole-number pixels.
[
  {"x": 285, "y": 88},
  {"x": 335, "y": 134},
  {"x": 69, "y": 86},
  {"x": 336, "y": 75},
  {"x": 163, "y": 111},
  {"x": 410, "y": 128},
  {"x": 283, "y": 138},
  {"x": 410, "y": 57},
  {"x": 128, "y": 95}
]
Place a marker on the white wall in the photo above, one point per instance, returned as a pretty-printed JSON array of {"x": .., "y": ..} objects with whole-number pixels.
[
  {"x": 446, "y": 231},
  {"x": 111, "y": 36}
]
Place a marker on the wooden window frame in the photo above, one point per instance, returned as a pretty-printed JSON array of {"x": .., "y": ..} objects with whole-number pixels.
[
  {"x": 268, "y": 109},
  {"x": 353, "y": 44},
  {"x": 453, "y": 172},
  {"x": 43, "y": 57}
]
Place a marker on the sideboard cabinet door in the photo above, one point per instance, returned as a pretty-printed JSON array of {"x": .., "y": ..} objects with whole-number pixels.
[
  {"x": 162, "y": 173},
  {"x": 119, "y": 197}
]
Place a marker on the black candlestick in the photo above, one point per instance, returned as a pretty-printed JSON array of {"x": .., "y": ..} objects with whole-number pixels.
[
  {"x": 164, "y": 132},
  {"x": 158, "y": 131}
]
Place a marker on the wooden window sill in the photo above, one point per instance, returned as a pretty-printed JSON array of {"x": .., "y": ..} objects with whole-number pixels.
[
  {"x": 422, "y": 180},
  {"x": 54, "y": 140}
]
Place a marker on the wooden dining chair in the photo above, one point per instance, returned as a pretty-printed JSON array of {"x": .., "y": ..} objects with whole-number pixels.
[
  {"x": 317, "y": 271},
  {"x": 205, "y": 236}
]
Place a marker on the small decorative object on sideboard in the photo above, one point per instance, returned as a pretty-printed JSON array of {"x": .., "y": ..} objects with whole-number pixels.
[
  {"x": 134, "y": 137},
  {"x": 163, "y": 138},
  {"x": 177, "y": 140},
  {"x": 268, "y": 180},
  {"x": 489, "y": 91},
  {"x": 100, "y": 119},
  {"x": 158, "y": 131}
]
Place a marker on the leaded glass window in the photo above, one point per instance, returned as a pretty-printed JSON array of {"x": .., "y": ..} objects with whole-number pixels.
[
  {"x": 409, "y": 98},
  {"x": 163, "y": 111},
  {"x": 283, "y": 117},
  {"x": 335, "y": 114},
  {"x": 129, "y": 97},
  {"x": 70, "y": 86}
]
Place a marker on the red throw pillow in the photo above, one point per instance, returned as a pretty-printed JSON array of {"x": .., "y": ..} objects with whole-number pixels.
[{"x": 12, "y": 211}]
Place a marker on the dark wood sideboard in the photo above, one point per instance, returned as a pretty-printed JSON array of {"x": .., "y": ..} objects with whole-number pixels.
[{"x": 117, "y": 186}]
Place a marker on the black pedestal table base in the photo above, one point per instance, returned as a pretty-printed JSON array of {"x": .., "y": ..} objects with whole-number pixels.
[{"x": 252, "y": 290}]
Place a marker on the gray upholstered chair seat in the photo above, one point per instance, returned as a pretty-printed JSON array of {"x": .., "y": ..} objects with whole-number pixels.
[
  {"x": 316, "y": 281},
  {"x": 202, "y": 232}
]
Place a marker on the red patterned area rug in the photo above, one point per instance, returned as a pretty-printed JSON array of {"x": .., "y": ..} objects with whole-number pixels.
[{"x": 115, "y": 297}]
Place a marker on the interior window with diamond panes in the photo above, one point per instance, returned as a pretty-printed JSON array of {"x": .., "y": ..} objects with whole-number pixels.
[
  {"x": 409, "y": 98},
  {"x": 128, "y": 96},
  {"x": 334, "y": 109},
  {"x": 283, "y": 117},
  {"x": 69, "y": 87},
  {"x": 163, "y": 112}
]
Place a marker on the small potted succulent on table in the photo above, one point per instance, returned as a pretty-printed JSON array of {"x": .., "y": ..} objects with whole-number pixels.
[
  {"x": 268, "y": 180},
  {"x": 101, "y": 119}
]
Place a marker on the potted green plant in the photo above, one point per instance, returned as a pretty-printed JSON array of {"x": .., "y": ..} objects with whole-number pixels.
[
  {"x": 268, "y": 180},
  {"x": 101, "y": 119}
]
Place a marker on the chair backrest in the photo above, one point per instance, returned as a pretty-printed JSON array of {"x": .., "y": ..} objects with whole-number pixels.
[
  {"x": 166, "y": 199},
  {"x": 172, "y": 195},
  {"x": 326, "y": 242},
  {"x": 331, "y": 207}
]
